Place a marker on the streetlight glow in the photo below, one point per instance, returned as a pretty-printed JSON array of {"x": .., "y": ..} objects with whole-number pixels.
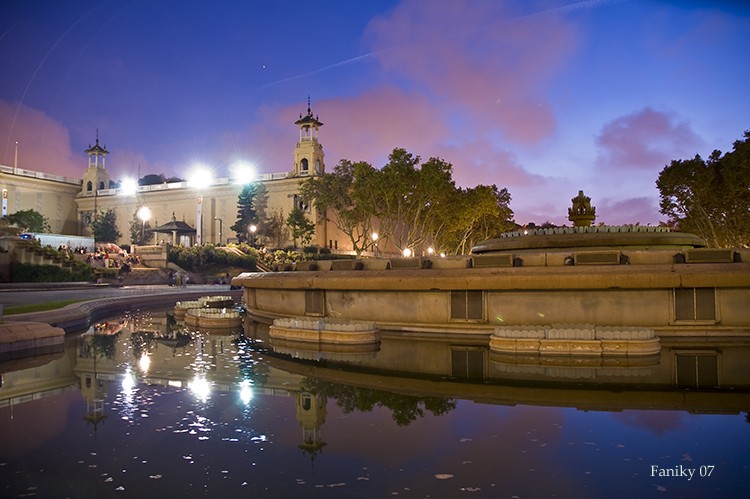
[
  {"x": 407, "y": 252},
  {"x": 242, "y": 173},
  {"x": 128, "y": 186},
  {"x": 144, "y": 214},
  {"x": 200, "y": 176}
]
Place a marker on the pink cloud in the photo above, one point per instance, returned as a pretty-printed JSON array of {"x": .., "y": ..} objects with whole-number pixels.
[
  {"x": 642, "y": 210},
  {"x": 655, "y": 422},
  {"x": 495, "y": 70},
  {"x": 646, "y": 140},
  {"x": 43, "y": 143}
]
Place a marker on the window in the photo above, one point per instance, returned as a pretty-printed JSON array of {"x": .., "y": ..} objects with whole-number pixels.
[
  {"x": 467, "y": 363},
  {"x": 89, "y": 186},
  {"x": 697, "y": 371},
  {"x": 314, "y": 302},
  {"x": 695, "y": 304},
  {"x": 467, "y": 305},
  {"x": 304, "y": 166}
]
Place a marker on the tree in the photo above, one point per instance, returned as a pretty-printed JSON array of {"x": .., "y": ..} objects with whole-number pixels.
[
  {"x": 104, "y": 227},
  {"x": 301, "y": 227},
  {"x": 276, "y": 230},
  {"x": 29, "y": 221},
  {"x": 139, "y": 231},
  {"x": 338, "y": 197},
  {"x": 710, "y": 198},
  {"x": 251, "y": 210}
]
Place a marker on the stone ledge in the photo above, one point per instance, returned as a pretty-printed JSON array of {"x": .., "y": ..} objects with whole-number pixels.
[{"x": 29, "y": 335}]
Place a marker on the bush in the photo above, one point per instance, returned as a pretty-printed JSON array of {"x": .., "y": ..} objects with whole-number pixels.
[
  {"x": 195, "y": 258},
  {"x": 26, "y": 272}
]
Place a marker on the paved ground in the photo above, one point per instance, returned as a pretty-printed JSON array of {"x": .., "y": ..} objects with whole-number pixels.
[{"x": 16, "y": 294}]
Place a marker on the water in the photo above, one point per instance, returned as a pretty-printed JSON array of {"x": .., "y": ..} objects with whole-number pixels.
[{"x": 216, "y": 414}]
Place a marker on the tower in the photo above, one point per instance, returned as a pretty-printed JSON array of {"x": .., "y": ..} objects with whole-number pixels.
[
  {"x": 308, "y": 153},
  {"x": 96, "y": 176}
]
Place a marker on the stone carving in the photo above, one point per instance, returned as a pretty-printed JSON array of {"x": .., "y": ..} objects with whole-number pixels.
[{"x": 582, "y": 214}]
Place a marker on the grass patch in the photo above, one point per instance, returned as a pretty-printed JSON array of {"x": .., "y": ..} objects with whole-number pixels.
[{"x": 38, "y": 307}]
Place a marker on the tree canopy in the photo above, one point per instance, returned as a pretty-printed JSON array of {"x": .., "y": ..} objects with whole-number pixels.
[
  {"x": 251, "y": 210},
  {"x": 710, "y": 198},
  {"x": 411, "y": 204},
  {"x": 29, "y": 221},
  {"x": 104, "y": 227}
]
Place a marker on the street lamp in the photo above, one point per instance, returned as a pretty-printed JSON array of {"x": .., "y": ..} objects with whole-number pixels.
[
  {"x": 407, "y": 252},
  {"x": 375, "y": 236},
  {"x": 144, "y": 213},
  {"x": 221, "y": 228},
  {"x": 253, "y": 228},
  {"x": 199, "y": 179}
]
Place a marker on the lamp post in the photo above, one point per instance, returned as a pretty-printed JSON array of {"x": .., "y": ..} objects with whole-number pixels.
[
  {"x": 375, "y": 236},
  {"x": 253, "y": 228},
  {"x": 199, "y": 179},
  {"x": 221, "y": 228},
  {"x": 144, "y": 214}
]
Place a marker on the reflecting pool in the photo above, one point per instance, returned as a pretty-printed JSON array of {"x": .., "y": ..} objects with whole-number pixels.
[{"x": 145, "y": 408}]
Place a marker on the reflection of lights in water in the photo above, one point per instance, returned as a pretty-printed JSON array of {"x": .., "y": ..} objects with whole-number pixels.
[
  {"x": 200, "y": 388},
  {"x": 128, "y": 383},
  {"x": 144, "y": 362},
  {"x": 246, "y": 391}
]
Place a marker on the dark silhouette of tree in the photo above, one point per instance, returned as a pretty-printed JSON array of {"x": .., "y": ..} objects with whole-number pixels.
[
  {"x": 104, "y": 227},
  {"x": 29, "y": 221},
  {"x": 710, "y": 198},
  {"x": 251, "y": 210}
]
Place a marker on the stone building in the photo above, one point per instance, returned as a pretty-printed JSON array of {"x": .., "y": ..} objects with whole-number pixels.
[{"x": 210, "y": 208}]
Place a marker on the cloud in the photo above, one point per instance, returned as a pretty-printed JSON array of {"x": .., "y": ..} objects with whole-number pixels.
[
  {"x": 486, "y": 62},
  {"x": 645, "y": 140},
  {"x": 43, "y": 143},
  {"x": 643, "y": 210}
]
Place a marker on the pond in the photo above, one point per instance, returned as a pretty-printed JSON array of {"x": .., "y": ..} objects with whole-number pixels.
[{"x": 146, "y": 408}]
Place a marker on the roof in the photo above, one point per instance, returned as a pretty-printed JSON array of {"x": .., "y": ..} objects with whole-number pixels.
[{"x": 174, "y": 226}]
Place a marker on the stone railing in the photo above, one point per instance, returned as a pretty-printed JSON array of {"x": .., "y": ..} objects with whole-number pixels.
[{"x": 579, "y": 230}]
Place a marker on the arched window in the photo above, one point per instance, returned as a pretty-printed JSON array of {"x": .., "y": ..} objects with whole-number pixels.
[
  {"x": 304, "y": 167},
  {"x": 101, "y": 185},
  {"x": 89, "y": 186},
  {"x": 317, "y": 167}
]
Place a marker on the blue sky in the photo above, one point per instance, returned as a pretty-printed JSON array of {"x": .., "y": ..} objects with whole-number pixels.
[{"x": 543, "y": 98}]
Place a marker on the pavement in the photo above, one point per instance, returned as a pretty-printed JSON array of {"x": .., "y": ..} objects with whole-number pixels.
[{"x": 98, "y": 301}]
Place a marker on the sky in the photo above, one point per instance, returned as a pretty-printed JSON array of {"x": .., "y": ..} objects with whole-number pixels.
[{"x": 544, "y": 98}]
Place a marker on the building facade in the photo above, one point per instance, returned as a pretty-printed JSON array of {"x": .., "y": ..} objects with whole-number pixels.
[{"x": 70, "y": 205}]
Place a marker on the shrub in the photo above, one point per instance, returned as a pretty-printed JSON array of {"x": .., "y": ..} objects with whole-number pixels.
[
  {"x": 195, "y": 258},
  {"x": 26, "y": 272}
]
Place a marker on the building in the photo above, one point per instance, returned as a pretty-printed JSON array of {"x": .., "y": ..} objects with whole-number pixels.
[{"x": 211, "y": 208}]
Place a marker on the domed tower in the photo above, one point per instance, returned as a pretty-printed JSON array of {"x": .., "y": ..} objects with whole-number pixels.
[
  {"x": 308, "y": 153},
  {"x": 96, "y": 176}
]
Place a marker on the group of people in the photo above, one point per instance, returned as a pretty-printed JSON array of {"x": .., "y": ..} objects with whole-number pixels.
[{"x": 178, "y": 279}]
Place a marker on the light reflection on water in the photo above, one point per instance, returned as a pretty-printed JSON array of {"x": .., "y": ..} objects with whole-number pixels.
[{"x": 213, "y": 414}]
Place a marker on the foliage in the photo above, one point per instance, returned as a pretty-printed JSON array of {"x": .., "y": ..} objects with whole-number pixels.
[
  {"x": 29, "y": 221},
  {"x": 302, "y": 228},
  {"x": 251, "y": 210},
  {"x": 196, "y": 257},
  {"x": 405, "y": 409},
  {"x": 156, "y": 179},
  {"x": 104, "y": 227},
  {"x": 710, "y": 198},
  {"x": 413, "y": 205},
  {"x": 276, "y": 230},
  {"x": 339, "y": 196},
  {"x": 26, "y": 272}
]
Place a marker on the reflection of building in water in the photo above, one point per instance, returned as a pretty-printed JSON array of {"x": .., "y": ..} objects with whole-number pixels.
[{"x": 311, "y": 415}]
